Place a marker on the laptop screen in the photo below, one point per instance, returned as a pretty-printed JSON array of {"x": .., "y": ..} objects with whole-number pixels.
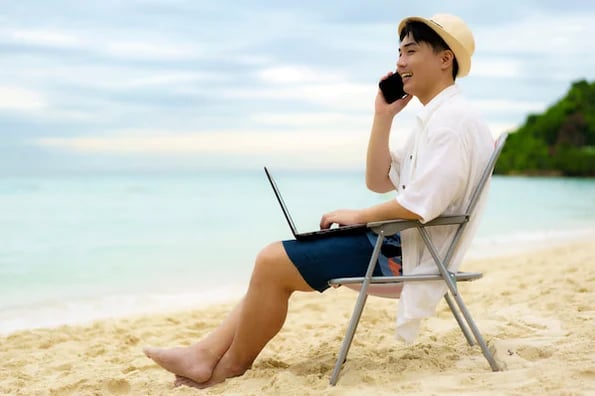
[{"x": 281, "y": 202}]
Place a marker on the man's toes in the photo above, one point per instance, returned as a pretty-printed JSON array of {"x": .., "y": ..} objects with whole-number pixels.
[
  {"x": 149, "y": 352},
  {"x": 183, "y": 381}
]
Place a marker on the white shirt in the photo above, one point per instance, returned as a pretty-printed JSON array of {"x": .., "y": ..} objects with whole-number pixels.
[{"x": 435, "y": 174}]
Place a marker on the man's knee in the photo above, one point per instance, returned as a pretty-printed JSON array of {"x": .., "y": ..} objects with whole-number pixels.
[
  {"x": 271, "y": 253},
  {"x": 273, "y": 268},
  {"x": 266, "y": 267}
]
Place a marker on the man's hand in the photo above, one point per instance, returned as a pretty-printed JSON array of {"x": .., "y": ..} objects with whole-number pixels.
[
  {"x": 341, "y": 217},
  {"x": 390, "y": 109},
  {"x": 389, "y": 210}
]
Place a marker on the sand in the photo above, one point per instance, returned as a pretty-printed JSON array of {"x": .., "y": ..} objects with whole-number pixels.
[{"x": 536, "y": 311}]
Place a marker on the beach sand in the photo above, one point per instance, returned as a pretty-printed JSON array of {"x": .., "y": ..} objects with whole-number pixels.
[{"x": 535, "y": 310}]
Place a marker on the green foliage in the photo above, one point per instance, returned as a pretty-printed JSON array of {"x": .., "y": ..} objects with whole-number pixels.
[{"x": 561, "y": 141}]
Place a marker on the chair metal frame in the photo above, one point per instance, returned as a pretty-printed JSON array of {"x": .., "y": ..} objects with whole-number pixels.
[{"x": 457, "y": 307}]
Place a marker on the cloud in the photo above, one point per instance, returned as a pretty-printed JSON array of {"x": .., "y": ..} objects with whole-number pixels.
[
  {"x": 107, "y": 43},
  {"x": 501, "y": 67},
  {"x": 294, "y": 74},
  {"x": 317, "y": 86},
  {"x": 508, "y": 105},
  {"x": 302, "y": 148},
  {"x": 541, "y": 33},
  {"x": 163, "y": 50},
  {"x": 345, "y": 96},
  {"x": 224, "y": 142},
  {"x": 42, "y": 38},
  {"x": 539, "y": 48},
  {"x": 21, "y": 99},
  {"x": 313, "y": 120}
]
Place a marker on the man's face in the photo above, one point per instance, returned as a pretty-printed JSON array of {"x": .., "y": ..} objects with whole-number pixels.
[{"x": 419, "y": 67}]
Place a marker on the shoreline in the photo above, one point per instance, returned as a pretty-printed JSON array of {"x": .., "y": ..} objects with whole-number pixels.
[
  {"x": 536, "y": 311},
  {"x": 86, "y": 310}
]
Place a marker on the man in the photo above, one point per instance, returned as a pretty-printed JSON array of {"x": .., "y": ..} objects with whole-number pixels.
[{"x": 433, "y": 175}]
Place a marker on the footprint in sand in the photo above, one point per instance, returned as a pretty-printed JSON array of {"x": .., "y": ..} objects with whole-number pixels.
[
  {"x": 513, "y": 354},
  {"x": 533, "y": 353},
  {"x": 117, "y": 386}
]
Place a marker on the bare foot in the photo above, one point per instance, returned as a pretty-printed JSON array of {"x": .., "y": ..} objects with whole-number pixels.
[
  {"x": 223, "y": 371},
  {"x": 186, "y": 381},
  {"x": 193, "y": 362}
]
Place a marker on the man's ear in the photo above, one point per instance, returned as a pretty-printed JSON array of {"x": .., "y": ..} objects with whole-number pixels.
[{"x": 447, "y": 59}]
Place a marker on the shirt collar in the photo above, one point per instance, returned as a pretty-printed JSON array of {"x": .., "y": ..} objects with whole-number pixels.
[{"x": 446, "y": 94}]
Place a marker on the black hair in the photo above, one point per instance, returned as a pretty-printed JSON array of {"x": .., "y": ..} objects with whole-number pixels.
[{"x": 422, "y": 33}]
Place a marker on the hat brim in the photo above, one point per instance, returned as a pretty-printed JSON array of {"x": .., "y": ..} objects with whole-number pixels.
[{"x": 461, "y": 54}]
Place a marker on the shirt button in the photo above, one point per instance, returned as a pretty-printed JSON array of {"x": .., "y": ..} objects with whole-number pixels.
[{"x": 411, "y": 157}]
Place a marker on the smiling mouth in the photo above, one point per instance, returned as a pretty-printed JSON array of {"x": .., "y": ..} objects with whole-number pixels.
[{"x": 406, "y": 75}]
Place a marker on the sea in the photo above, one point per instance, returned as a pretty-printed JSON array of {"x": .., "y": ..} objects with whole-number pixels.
[{"x": 80, "y": 247}]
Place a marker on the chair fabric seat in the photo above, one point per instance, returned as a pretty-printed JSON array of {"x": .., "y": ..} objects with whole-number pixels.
[{"x": 391, "y": 286}]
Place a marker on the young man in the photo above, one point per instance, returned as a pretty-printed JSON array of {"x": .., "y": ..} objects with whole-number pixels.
[{"x": 433, "y": 175}]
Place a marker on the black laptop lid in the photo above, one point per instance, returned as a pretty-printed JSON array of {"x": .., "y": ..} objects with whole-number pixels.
[{"x": 281, "y": 202}]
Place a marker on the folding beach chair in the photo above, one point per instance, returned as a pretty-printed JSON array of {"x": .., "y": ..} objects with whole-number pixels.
[{"x": 390, "y": 286}]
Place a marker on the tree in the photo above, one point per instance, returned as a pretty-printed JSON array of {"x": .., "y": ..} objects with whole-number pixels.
[{"x": 559, "y": 141}]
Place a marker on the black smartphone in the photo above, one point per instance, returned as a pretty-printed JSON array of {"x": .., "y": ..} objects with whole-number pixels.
[{"x": 392, "y": 88}]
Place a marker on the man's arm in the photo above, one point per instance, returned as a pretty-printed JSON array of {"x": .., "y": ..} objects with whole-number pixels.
[
  {"x": 378, "y": 159},
  {"x": 390, "y": 210}
]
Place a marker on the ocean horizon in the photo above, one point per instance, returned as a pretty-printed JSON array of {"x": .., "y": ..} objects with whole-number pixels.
[{"x": 89, "y": 246}]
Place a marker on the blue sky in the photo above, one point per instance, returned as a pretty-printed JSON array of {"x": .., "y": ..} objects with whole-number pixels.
[{"x": 158, "y": 85}]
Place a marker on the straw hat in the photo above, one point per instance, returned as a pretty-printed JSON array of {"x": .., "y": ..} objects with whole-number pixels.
[{"x": 454, "y": 32}]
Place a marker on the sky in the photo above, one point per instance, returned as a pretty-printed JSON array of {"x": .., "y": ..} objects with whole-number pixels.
[{"x": 193, "y": 85}]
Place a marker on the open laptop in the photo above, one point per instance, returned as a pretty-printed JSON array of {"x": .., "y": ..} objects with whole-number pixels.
[{"x": 350, "y": 229}]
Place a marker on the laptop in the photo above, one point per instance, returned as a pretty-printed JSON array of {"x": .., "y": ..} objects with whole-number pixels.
[{"x": 300, "y": 236}]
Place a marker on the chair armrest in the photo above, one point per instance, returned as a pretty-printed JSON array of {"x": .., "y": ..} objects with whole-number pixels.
[{"x": 390, "y": 227}]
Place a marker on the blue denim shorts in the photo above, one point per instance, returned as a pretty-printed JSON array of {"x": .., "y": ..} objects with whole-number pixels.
[{"x": 321, "y": 260}]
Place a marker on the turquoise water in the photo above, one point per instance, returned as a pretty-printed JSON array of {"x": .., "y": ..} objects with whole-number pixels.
[{"x": 80, "y": 247}]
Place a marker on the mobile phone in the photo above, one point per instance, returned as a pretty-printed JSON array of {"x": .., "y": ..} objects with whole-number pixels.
[{"x": 392, "y": 88}]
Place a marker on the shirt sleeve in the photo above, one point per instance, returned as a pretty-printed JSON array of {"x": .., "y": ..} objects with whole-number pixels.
[
  {"x": 395, "y": 167},
  {"x": 439, "y": 175}
]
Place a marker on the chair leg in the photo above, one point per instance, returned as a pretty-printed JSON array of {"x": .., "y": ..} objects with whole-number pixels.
[
  {"x": 484, "y": 348},
  {"x": 459, "y": 319},
  {"x": 357, "y": 312},
  {"x": 453, "y": 290}
]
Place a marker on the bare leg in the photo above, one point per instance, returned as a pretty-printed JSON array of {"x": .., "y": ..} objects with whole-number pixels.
[
  {"x": 239, "y": 340},
  {"x": 264, "y": 311}
]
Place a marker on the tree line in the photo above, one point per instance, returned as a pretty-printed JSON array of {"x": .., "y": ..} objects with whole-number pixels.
[{"x": 560, "y": 142}]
